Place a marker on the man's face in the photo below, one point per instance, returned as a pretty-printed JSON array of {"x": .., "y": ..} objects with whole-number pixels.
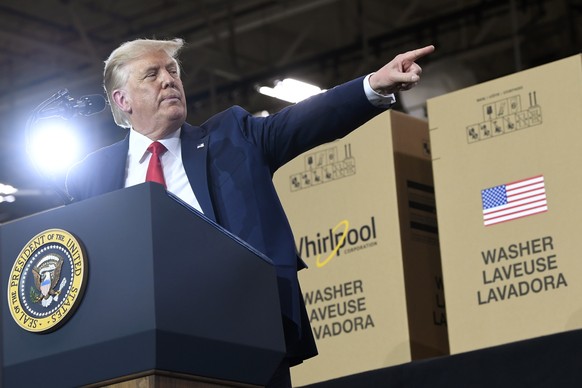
[{"x": 153, "y": 96}]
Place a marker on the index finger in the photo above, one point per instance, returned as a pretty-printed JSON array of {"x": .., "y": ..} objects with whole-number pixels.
[{"x": 414, "y": 55}]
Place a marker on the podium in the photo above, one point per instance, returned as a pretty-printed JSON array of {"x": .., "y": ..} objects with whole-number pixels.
[{"x": 170, "y": 297}]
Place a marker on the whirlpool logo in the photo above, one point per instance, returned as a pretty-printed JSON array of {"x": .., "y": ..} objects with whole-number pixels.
[{"x": 341, "y": 238}]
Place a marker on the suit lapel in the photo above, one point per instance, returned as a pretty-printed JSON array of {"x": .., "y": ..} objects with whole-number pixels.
[{"x": 194, "y": 156}]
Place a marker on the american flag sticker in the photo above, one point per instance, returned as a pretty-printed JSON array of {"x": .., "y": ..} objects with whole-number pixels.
[{"x": 514, "y": 200}]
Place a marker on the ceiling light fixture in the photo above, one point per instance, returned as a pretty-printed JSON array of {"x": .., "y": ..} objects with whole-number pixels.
[{"x": 290, "y": 90}]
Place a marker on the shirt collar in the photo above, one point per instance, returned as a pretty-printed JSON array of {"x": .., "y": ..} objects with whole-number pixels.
[{"x": 138, "y": 144}]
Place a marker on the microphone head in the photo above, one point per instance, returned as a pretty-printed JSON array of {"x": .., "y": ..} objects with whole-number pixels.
[{"x": 91, "y": 104}]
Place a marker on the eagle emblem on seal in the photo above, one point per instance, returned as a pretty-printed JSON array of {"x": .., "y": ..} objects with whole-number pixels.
[{"x": 47, "y": 274}]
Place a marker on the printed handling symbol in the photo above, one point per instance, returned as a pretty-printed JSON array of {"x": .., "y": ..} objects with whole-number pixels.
[
  {"x": 514, "y": 104},
  {"x": 473, "y": 134},
  {"x": 323, "y": 166},
  {"x": 533, "y": 99},
  {"x": 489, "y": 111},
  {"x": 316, "y": 176},
  {"x": 501, "y": 109},
  {"x": 295, "y": 182},
  {"x": 328, "y": 173},
  {"x": 348, "y": 150}
]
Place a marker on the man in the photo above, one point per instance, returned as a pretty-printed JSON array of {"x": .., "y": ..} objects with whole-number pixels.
[{"x": 224, "y": 167}]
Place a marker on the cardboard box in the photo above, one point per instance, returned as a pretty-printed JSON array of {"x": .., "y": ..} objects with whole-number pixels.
[
  {"x": 506, "y": 157},
  {"x": 362, "y": 210}
]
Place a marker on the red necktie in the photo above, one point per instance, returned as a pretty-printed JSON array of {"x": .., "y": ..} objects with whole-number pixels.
[{"x": 155, "y": 172}]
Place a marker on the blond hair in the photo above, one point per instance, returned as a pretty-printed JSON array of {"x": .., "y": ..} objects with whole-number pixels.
[{"x": 115, "y": 74}]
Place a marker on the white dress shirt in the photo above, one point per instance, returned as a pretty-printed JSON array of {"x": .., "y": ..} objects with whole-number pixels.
[{"x": 138, "y": 159}]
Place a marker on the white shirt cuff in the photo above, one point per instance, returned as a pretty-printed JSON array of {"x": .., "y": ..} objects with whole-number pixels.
[{"x": 375, "y": 98}]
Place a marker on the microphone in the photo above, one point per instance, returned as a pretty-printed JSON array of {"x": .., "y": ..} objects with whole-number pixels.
[{"x": 67, "y": 107}]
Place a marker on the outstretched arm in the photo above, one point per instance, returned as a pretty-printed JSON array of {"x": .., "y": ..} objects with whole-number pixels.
[{"x": 402, "y": 73}]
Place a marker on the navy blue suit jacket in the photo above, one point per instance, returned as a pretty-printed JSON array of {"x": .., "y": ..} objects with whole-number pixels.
[{"x": 230, "y": 161}]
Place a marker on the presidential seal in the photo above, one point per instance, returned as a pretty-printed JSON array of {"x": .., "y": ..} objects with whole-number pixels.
[{"x": 47, "y": 281}]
